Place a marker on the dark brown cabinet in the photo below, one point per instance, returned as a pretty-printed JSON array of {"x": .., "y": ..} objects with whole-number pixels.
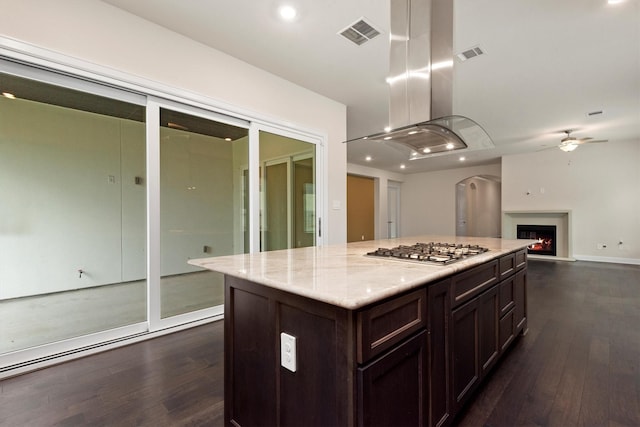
[
  {"x": 391, "y": 389},
  {"x": 465, "y": 358},
  {"x": 412, "y": 359},
  {"x": 489, "y": 318},
  {"x": 440, "y": 411},
  {"x": 475, "y": 344},
  {"x": 487, "y": 323},
  {"x": 521, "y": 300}
]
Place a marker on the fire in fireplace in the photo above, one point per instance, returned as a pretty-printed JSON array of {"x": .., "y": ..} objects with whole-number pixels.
[{"x": 545, "y": 236}]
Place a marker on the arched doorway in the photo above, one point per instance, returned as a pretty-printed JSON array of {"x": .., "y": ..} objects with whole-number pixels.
[{"x": 478, "y": 206}]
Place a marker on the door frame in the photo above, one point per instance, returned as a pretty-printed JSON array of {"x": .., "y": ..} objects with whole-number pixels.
[
  {"x": 154, "y": 299},
  {"x": 320, "y": 178}
]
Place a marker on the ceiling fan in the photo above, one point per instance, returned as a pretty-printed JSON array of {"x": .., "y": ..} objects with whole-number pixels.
[{"x": 570, "y": 143}]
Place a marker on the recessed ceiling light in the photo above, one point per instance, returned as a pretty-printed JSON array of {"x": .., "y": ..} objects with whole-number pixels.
[
  {"x": 368, "y": 158},
  {"x": 227, "y": 139},
  {"x": 402, "y": 166},
  {"x": 387, "y": 128},
  {"x": 287, "y": 13},
  {"x": 386, "y": 138},
  {"x": 8, "y": 95},
  {"x": 449, "y": 146},
  {"x": 426, "y": 150},
  {"x": 462, "y": 158}
]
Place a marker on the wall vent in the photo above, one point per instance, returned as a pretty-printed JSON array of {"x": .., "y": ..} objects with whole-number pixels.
[
  {"x": 470, "y": 53},
  {"x": 359, "y": 32}
]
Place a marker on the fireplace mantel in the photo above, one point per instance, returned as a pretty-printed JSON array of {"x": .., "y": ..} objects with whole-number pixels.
[{"x": 560, "y": 218}]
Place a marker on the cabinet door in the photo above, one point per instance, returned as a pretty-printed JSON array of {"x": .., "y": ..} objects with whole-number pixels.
[
  {"x": 520, "y": 298},
  {"x": 507, "y": 329},
  {"x": 489, "y": 318},
  {"x": 465, "y": 364},
  {"x": 439, "y": 362},
  {"x": 392, "y": 390}
]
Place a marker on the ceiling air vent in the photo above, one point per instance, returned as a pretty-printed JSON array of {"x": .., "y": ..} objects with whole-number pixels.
[
  {"x": 470, "y": 53},
  {"x": 359, "y": 32}
]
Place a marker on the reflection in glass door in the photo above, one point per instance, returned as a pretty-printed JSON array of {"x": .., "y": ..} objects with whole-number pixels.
[
  {"x": 202, "y": 197},
  {"x": 276, "y": 207},
  {"x": 304, "y": 202},
  {"x": 288, "y": 192},
  {"x": 72, "y": 213}
]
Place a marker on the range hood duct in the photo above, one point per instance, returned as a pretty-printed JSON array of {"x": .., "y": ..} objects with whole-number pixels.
[{"x": 421, "y": 84}]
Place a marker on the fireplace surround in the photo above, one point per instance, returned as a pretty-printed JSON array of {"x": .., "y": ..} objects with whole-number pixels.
[{"x": 561, "y": 218}]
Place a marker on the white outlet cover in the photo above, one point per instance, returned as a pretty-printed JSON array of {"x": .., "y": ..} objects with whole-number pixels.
[{"x": 288, "y": 358}]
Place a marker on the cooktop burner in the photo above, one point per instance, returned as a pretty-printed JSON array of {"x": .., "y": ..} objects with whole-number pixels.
[{"x": 430, "y": 253}]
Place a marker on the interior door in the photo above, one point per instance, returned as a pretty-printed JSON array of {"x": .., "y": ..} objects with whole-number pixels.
[
  {"x": 360, "y": 208},
  {"x": 393, "y": 211}
]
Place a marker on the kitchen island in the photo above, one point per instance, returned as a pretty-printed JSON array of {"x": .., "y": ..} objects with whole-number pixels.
[{"x": 329, "y": 336}]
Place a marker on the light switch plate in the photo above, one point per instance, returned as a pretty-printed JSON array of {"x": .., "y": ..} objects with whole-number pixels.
[{"x": 288, "y": 357}]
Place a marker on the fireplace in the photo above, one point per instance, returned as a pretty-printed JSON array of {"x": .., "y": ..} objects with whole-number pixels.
[{"x": 545, "y": 236}]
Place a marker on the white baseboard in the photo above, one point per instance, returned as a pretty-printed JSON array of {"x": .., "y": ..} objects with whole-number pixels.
[
  {"x": 615, "y": 260},
  {"x": 549, "y": 258}
]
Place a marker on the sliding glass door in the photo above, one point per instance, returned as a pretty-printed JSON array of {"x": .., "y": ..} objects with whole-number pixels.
[
  {"x": 202, "y": 200},
  {"x": 72, "y": 209},
  {"x": 106, "y": 195}
]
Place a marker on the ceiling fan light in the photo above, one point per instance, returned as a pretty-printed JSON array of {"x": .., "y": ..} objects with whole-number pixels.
[{"x": 568, "y": 146}]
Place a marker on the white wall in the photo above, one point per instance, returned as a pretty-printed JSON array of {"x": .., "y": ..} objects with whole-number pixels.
[
  {"x": 598, "y": 183},
  {"x": 95, "y": 32},
  {"x": 429, "y": 199}
]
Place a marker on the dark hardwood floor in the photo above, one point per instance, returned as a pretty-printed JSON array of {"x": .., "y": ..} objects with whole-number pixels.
[
  {"x": 173, "y": 380},
  {"x": 579, "y": 365}
]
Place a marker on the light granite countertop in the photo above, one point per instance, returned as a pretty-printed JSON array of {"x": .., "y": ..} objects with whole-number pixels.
[{"x": 341, "y": 275}]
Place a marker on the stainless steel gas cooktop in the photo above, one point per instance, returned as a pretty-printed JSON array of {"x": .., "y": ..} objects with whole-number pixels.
[{"x": 430, "y": 253}]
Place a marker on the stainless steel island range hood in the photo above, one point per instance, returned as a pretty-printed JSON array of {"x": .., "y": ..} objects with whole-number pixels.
[{"x": 421, "y": 84}]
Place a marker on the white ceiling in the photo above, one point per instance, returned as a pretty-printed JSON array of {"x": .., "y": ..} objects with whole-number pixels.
[{"x": 547, "y": 64}]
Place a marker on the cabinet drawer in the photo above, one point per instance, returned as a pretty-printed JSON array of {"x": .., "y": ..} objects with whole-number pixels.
[
  {"x": 470, "y": 283},
  {"x": 388, "y": 323},
  {"x": 521, "y": 259},
  {"x": 507, "y": 265},
  {"x": 507, "y": 295}
]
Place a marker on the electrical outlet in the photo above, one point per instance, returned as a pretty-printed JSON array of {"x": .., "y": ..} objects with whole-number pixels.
[
  {"x": 601, "y": 246},
  {"x": 288, "y": 357}
]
